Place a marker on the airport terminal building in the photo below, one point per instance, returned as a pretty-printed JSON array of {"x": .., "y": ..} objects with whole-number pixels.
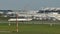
[{"x": 42, "y": 14}]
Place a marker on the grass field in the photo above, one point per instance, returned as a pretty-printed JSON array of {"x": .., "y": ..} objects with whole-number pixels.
[{"x": 31, "y": 28}]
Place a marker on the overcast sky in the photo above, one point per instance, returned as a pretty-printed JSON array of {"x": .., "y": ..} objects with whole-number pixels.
[{"x": 28, "y": 4}]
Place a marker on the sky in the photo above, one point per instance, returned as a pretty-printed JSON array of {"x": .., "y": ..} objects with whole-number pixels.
[{"x": 28, "y": 4}]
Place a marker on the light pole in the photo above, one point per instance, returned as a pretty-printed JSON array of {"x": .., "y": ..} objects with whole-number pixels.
[{"x": 16, "y": 23}]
